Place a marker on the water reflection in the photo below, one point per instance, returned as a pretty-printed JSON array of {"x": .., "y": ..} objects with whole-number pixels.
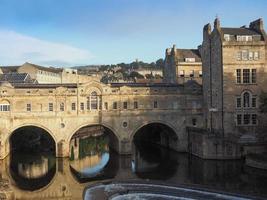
[
  {"x": 91, "y": 160},
  {"x": 151, "y": 162},
  {"x": 32, "y": 172}
]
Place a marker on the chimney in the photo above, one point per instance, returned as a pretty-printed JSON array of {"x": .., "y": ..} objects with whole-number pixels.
[
  {"x": 217, "y": 24},
  {"x": 168, "y": 52},
  {"x": 174, "y": 49},
  {"x": 257, "y": 25}
]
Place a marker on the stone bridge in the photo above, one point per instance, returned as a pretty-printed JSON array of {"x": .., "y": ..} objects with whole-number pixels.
[{"x": 62, "y": 109}]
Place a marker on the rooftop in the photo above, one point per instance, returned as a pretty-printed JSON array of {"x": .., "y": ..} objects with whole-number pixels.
[
  {"x": 239, "y": 31},
  {"x": 16, "y": 78},
  {"x": 50, "y": 69},
  {"x": 182, "y": 54}
]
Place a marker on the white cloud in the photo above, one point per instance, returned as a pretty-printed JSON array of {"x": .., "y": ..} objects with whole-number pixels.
[{"x": 16, "y": 48}]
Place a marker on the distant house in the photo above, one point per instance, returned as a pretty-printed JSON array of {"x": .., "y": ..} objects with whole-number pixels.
[
  {"x": 182, "y": 65},
  {"x": 40, "y": 73},
  {"x": 44, "y": 75}
]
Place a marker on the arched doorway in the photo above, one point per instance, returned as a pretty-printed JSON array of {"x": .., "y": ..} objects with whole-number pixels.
[{"x": 92, "y": 153}]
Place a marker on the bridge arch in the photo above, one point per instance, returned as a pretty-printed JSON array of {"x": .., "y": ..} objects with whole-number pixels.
[
  {"x": 114, "y": 136},
  {"x": 168, "y": 135},
  {"x": 35, "y": 125}
]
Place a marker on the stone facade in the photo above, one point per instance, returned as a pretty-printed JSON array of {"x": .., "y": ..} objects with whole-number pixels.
[
  {"x": 182, "y": 65},
  {"x": 234, "y": 76},
  {"x": 234, "y": 65},
  {"x": 62, "y": 109}
]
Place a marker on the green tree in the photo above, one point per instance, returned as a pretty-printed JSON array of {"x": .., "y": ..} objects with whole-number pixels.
[{"x": 72, "y": 154}]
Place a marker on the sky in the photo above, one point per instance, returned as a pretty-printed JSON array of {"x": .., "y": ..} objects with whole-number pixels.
[{"x": 67, "y": 33}]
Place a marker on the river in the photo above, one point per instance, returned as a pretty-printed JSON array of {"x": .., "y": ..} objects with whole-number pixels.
[{"x": 42, "y": 176}]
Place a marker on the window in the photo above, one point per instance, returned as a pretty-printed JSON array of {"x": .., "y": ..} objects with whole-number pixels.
[
  {"x": 194, "y": 122},
  {"x": 227, "y": 37},
  {"x": 73, "y": 106},
  {"x": 88, "y": 103},
  {"x": 239, "y": 119},
  {"x": 94, "y": 101},
  {"x": 253, "y": 76},
  {"x": 28, "y": 107},
  {"x": 115, "y": 105},
  {"x": 245, "y": 55},
  {"x": 124, "y": 105},
  {"x": 135, "y": 105},
  {"x": 254, "y": 119},
  {"x": 246, "y": 75},
  {"x": 181, "y": 73},
  {"x": 238, "y": 38},
  {"x": 256, "y": 55},
  {"x": 250, "y": 55},
  {"x": 238, "y": 76},
  {"x": 191, "y": 74},
  {"x": 190, "y": 59},
  {"x": 155, "y": 104},
  {"x": 106, "y": 105},
  {"x": 246, "y": 119},
  {"x": 50, "y": 107},
  {"x": 238, "y": 102},
  {"x": 239, "y": 55},
  {"x": 82, "y": 106},
  {"x": 200, "y": 73},
  {"x": 246, "y": 100},
  {"x": 4, "y": 107},
  {"x": 254, "y": 102},
  {"x": 61, "y": 107}
]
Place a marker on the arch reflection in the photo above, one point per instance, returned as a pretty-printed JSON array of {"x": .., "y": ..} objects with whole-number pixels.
[
  {"x": 151, "y": 161},
  {"x": 91, "y": 158},
  {"x": 32, "y": 172}
]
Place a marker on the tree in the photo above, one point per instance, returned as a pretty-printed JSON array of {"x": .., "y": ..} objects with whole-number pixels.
[
  {"x": 72, "y": 154},
  {"x": 135, "y": 74},
  {"x": 160, "y": 63}
]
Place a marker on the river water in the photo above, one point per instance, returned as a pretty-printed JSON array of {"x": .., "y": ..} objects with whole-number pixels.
[{"x": 42, "y": 176}]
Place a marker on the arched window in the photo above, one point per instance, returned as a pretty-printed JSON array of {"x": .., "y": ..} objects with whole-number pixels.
[
  {"x": 94, "y": 101},
  {"x": 4, "y": 106},
  {"x": 246, "y": 100}
]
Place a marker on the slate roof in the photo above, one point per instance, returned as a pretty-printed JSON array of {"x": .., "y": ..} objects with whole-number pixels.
[
  {"x": 50, "y": 69},
  {"x": 239, "y": 31},
  {"x": 68, "y": 85},
  {"x": 16, "y": 78},
  {"x": 188, "y": 53}
]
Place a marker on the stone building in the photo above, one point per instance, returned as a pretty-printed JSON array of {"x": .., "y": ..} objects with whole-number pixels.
[
  {"x": 46, "y": 75},
  {"x": 182, "y": 65},
  {"x": 234, "y": 76},
  {"x": 234, "y": 65}
]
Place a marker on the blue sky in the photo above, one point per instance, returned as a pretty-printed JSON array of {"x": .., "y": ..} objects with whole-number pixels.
[{"x": 78, "y": 32}]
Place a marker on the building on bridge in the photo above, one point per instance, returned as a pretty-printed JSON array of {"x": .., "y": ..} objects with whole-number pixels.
[{"x": 63, "y": 109}]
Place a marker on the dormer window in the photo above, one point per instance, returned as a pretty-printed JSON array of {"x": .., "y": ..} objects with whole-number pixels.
[
  {"x": 227, "y": 37},
  {"x": 244, "y": 38},
  {"x": 190, "y": 59}
]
